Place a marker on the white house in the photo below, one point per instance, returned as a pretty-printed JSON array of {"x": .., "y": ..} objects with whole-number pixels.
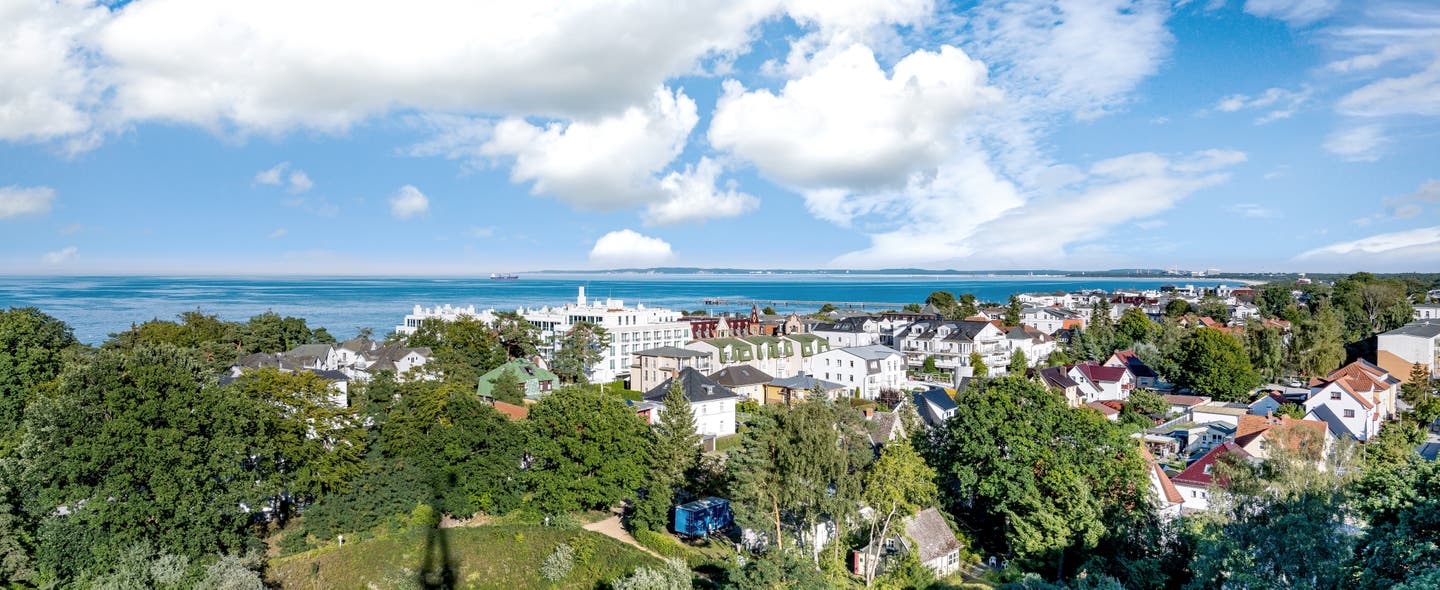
[
  {"x": 926, "y": 533},
  {"x": 848, "y": 332},
  {"x": 712, "y": 404},
  {"x": 1398, "y": 350},
  {"x": 1167, "y": 498},
  {"x": 1048, "y": 319},
  {"x": 1197, "y": 481},
  {"x": 1102, "y": 383},
  {"x": 951, "y": 343},
  {"x": 867, "y": 370},
  {"x": 1354, "y": 400}
]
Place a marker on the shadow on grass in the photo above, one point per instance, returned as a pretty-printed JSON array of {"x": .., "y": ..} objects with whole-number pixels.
[{"x": 437, "y": 571}]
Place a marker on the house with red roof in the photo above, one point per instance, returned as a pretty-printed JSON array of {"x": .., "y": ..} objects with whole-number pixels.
[
  {"x": 1167, "y": 498},
  {"x": 1198, "y": 480},
  {"x": 1354, "y": 400},
  {"x": 1259, "y": 435},
  {"x": 1145, "y": 377},
  {"x": 1101, "y": 383}
]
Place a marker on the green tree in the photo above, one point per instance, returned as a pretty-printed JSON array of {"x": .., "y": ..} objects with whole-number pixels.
[
  {"x": 929, "y": 365},
  {"x": 966, "y": 306},
  {"x": 1057, "y": 358},
  {"x": 1013, "y": 311},
  {"x": 519, "y": 338},
  {"x": 677, "y": 451},
  {"x": 589, "y": 451},
  {"x": 943, "y": 301},
  {"x": 1212, "y": 307},
  {"x": 777, "y": 570},
  {"x": 1320, "y": 343},
  {"x": 912, "y": 307},
  {"x": 827, "y": 308},
  {"x": 1177, "y": 307},
  {"x": 1134, "y": 326},
  {"x": 1213, "y": 363},
  {"x": 897, "y": 485},
  {"x": 977, "y": 363},
  {"x": 507, "y": 387},
  {"x": 1292, "y": 410},
  {"x": 1018, "y": 363},
  {"x": 463, "y": 349},
  {"x": 1147, "y": 402},
  {"x": 580, "y": 349},
  {"x": 771, "y": 311},
  {"x": 1101, "y": 328},
  {"x": 1400, "y": 502},
  {"x": 1278, "y": 523},
  {"x": 1417, "y": 386},
  {"x": 1266, "y": 348},
  {"x": 31, "y": 344},
  {"x": 1370, "y": 305},
  {"x": 1029, "y": 477},
  {"x": 1274, "y": 298},
  {"x": 139, "y": 447}
]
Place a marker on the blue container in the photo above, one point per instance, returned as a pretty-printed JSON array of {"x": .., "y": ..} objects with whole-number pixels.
[{"x": 703, "y": 516}]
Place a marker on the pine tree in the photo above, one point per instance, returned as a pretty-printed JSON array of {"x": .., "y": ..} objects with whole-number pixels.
[
  {"x": 1417, "y": 386},
  {"x": 677, "y": 451}
]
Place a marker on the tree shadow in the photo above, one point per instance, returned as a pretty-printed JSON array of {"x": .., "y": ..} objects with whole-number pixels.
[{"x": 437, "y": 571}]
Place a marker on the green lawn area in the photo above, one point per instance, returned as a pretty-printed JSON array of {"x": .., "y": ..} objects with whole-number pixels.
[{"x": 499, "y": 556}]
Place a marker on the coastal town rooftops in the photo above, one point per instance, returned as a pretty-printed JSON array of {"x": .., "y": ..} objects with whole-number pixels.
[
  {"x": 1100, "y": 373},
  {"x": 1202, "y": 473},
  {"x": 937, "y": 397},
  {"x": 697, "y": 388},
  {"x": 931, "y": 534},
  {"x": 805, "y": 382},
  {"x": 673, "y": 352}
]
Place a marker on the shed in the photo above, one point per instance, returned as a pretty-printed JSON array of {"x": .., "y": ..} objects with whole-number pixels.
[{"x": 703, "y": 516}]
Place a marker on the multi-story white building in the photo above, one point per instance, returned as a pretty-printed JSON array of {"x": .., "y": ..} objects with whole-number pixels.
[
  {"x": 1355, "y": 400},
  {"x": 865, "y": 370},
  {"x": 631, "y": 329},
  {"x": 1417, "y": 342},
  {"x": 950, "y": 344},
  {"x": 445, "y": 313}
]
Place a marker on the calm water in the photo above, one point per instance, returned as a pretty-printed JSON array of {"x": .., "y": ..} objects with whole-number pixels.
[{"x": 99, "y": 306}]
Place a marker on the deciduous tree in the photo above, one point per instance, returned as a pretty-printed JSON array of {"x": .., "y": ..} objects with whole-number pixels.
[
  {"x": 1213, "y": 363},
  {"x": 590, "y": 451}
]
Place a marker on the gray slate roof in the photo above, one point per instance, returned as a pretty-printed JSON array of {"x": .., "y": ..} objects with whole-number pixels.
[
  {"x": 805, "y": 382},
  {"x": 673, "y": 352},
  {"x": 931, "y": 534},
  {"x": 740, "y": 376},
  {"x": 697, "y": 387},
  {"x": 1421, "y": 329}
]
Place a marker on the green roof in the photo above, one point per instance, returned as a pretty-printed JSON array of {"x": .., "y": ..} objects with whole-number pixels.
[{"x": 529, "y": 374}]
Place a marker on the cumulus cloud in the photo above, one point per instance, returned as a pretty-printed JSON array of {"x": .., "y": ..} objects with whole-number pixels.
[
  {"x": 1295, "y": 12},
  {"x": 849, "y": 125},
  {"x": 47, "y": 83},
  {"x": 694, "y": 197},
  {"x": 605, "y": 163},
  {"x": 16, "y": 201},
  {"x": 409, "y": 202},
  {"x": 629, "y": 248},
  {"x": 297, "y": 181},
  {"x": 60, "y": 256},
  {"x": 1363, "y": 143},
  {"x": 1278, "y": 103},
  {"x": 1077, "y": 56},
  {"x": 1406, "y": 206}
]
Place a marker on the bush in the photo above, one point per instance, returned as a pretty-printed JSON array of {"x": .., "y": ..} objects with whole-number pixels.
[
  {"x": 558, "y": 564},
  {"x": 423, "y": 517},
  {"x": 674, "y": 576},
  {"x": 230, "y": 573},
  {"x": 665, "y": 545}
]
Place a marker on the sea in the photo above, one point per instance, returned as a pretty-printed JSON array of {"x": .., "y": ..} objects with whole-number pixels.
[{"x": 97, "y": 306}]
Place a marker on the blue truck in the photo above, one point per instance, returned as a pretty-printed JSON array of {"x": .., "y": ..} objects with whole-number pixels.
[{"x": 703, "y": 517}]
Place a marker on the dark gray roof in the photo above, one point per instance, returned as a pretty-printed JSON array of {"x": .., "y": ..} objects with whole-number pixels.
[
  {"x": 1057, "y": 377},
  {"x": 358, "y": 344},
  {"x": 852, "y": 324},
  {"x": 935, "y": 396},
  {"x": 960, "y": 330},
  {"x": 740, "y": 376},
  {"x": 885, "y": 423},
  {"x": 806, "y": 382},
  {"x": 697, "y": 388},
  {"x": 308, "y": 351},
  {"x": 674, "y": 352},
  {"x": 1421, "y": 329},
  {"x": 258, "y": 360},
  {"x": 330, "y": 375}
]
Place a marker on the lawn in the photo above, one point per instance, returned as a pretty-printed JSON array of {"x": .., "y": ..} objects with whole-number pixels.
[{"x": 499, "y": 556}]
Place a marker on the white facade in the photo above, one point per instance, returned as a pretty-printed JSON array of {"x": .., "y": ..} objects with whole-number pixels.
[
  {"x": 865, "y": 370},
  {"x": 445, "y": 313},
  {"x": 712, "y": 418},
  {"x": 630, "y": 330},
  {"x": 1344, "y": 412}
]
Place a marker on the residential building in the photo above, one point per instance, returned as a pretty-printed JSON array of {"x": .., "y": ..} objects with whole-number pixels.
[
  {"x": 1058, "y": 379},
  {"x": 1106, "y": 409},
  {"x": 712, "y": 404},
  {"x": 848, "y": 332},
  {"x": 630, "y": 329},
  {"x": 886, "y": 427},
  {"x": 537, "y": 381},
  {"x": 1398, "y": 350},
  {"x": 1166, "y": 497},
  {"x": 1258, "y": 435},
  {"x": 747, "y": 381},
  {"x": 865, "y": 370},
  {"x": 1427, "y": 311},
  {"x": 934, "y": 405},
  {"x": 1229, "y": 413},
  {"x": 446, "y": 313},
  {"x": 1198, "y": 480},
  {"x": 1145, "y": 377},
  {"x": 1036, "y": 345},
  {"x": 926, "y": 534},
  {"x": 951, "y": 344},
  {"x": 791, "y": 389},
  {"x": 652, "y": 366},
  {"x": 1102, "y": 383},
  {"x": 1354, "y": 400},
  {"x": 1182, "y": 404},
  {"x": 1268, "y": 403}
]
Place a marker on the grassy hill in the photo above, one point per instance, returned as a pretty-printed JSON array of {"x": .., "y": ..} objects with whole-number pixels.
[{"x": 500, "y": 556}]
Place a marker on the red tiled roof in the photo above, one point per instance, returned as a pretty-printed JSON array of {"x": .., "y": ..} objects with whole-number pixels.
[
  {"x": 1172, "y": 495},
  {"x": 1184, "y": 400},
  {"x": 1196, "y": 475},
  {"x": 1104, "y": 409},
  {"x": 1097, "y": 372}
]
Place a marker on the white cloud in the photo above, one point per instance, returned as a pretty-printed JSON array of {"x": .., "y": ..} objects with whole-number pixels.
[
  {"x": 46, "y": 84},
  {"x": 1415, "y": 94},
  {"x": 279, "y": 232},
  {"x": 606, "y": 163},
  {"x": 1252, "y": 210},
  {"x": 22, "y": 200},
  {"x": 1422, "y": 243},
  {"x": 1363, "y": 143},
  {"x": 628, "y": 248},
  {"x": 481, "y": 232},
  {"x": 1406, "y": 206},
  {"x": 409, "y": 202},
  {"x": 1297, "y": 13},
  {"x": 694, "y": 197},
  {"x": 1077, "y": 56},
  {"x": 1278, "y": 103},
  {"x": 272, "y": 176},
  {"x": 60, "y": 256},
  {"x": 300, "y": 182},
  {"x": 849, "y": 125}
]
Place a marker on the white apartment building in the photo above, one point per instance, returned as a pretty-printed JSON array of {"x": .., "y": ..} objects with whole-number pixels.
[
  {"x": 1417, "y": 342},
  {"x": 865, "y": 370},
  {"x": 631, "y": 329},
  {"x": 446, "y": 313}
]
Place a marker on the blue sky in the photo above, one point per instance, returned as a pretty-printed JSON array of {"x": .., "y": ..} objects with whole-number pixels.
[{"x": 428, "y": 137}]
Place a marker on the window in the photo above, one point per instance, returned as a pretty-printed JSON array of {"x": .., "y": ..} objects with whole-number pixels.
[
  {"x": 1334, "y": 395},
  {"x": 1349, "y": 413},
  {"x": 1207, "y": 469}
]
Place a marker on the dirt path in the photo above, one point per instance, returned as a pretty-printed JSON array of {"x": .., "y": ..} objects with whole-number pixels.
[{"x": 612, "y": 528}]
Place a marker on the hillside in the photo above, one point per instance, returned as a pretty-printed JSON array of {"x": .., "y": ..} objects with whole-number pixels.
[{"x": 504, "y": 556}]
